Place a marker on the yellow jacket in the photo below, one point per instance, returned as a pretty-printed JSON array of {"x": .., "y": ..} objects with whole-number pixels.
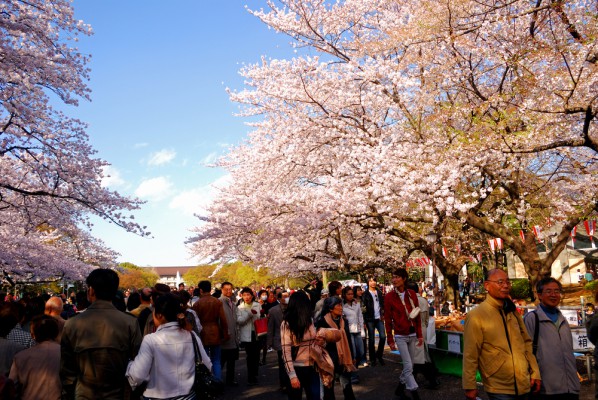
[{"x": 504, "y": 369}]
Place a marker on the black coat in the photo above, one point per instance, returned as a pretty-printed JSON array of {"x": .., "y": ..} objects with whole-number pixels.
[{"x": 367, "y": 300}]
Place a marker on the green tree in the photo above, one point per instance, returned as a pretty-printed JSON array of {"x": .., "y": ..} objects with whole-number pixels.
[{"x": 133, "y": 276}]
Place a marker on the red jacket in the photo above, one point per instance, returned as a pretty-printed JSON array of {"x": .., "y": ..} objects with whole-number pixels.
[{"x": 396, "y": 317}]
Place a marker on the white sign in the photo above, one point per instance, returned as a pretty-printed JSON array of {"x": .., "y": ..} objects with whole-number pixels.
[
  {"x": 581, "y": 343},
  {"x": 454, "y": 343},
  {"x": 571, "y": 317}
]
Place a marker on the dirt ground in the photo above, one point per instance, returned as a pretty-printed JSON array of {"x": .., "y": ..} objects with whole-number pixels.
[{"x": 572, "y": 294}]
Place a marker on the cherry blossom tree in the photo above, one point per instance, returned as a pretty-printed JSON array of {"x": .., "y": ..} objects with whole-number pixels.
[
  {"x": 50, "y": 180},
  {"x": 398, "y": 116}
]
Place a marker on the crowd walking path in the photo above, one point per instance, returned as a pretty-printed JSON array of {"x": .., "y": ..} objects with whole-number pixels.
[{"x": 376, "y": 383}]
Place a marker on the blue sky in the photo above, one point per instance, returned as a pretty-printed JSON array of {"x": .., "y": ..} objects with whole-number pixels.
[{"x": 159, "y": 111}]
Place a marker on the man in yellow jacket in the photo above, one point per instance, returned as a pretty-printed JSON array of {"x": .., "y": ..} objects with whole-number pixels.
[{"x": 497, "y": 344}]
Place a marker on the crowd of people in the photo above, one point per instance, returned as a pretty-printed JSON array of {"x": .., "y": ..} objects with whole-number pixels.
[{"x": 104, "y": 345}]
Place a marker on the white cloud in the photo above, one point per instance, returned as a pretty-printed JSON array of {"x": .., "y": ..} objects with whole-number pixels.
[
  {"x": 196, "y": 201},
  {"x": 209, "y": 159},
  {"x": 154, "y": 189},
  {"x": 111, "y": 177},
  {"x": 163, "y": 156}
]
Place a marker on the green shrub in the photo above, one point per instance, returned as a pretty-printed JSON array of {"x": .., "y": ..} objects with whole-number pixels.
[
  {"x": 593, "y": 286},
  {"x": 520, "y": 289}
]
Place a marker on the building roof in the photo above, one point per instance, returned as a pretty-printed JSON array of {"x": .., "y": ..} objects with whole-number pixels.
[{"x": 171, "y": 271}]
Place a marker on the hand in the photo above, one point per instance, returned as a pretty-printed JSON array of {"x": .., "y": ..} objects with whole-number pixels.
[
  {"x": 536, "y": 384},
  {"x": 420, "y": 342},
  {"x": 253, "y": 312},
  {"x": 471, "y": 394},
  {"x": 320, "y": 341},
  {"x": 295, "y": 384},
  {"x": 393, "y": 347}
]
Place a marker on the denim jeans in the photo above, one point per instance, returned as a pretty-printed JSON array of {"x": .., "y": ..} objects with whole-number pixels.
[
  {"x": 214, "y": 354},
  {"x": 500, "y": 396},
  {"x": 357, "y": 344},
  {"x": 310, "y": 383},
  {"x": 406, "y": 346},
  {"x": 372, "y": 326}
]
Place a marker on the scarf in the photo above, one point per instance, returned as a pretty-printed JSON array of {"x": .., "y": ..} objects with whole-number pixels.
[{"x": 342, "y": 346}]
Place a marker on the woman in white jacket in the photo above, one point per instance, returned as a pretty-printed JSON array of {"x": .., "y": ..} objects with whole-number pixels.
[
  {"x": 354, "y": 316},
  {"x": 166, "y": 359},
  {"x": 248, "y": 312}
]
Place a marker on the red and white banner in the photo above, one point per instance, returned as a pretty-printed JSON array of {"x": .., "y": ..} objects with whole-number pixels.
[
  {"x": 574, "y": 232},
  {"x": 492, "y": 245},
  {"x": 444, "y": 252},
  {"x": 590, "y": 227},
  {"x": 499, "y": 243},
  {"x": 522, "y": 235},
  {"x": 537, "y": 232}
]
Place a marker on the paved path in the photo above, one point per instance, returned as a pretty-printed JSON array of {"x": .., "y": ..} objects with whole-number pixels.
[{"x": 376, "y": 383}]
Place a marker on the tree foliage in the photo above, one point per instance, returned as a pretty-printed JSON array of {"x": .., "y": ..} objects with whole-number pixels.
[
  {"x": 133, "y": 276},
  {"x": 471, "y": 119},
  {"x": 50, "y": 180}
]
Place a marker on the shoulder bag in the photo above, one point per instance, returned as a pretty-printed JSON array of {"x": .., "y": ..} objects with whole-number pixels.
[{"x": 205, "y": 385}]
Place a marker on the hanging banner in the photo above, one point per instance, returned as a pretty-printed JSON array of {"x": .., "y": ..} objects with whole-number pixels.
[
  {"x": 499, "y": 243},
  {"x": 492, "y": 244},
  {"x": 522, "y": 236}
]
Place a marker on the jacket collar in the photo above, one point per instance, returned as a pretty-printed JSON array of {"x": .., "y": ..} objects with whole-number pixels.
[
  {"x": 101, "y": 304},
  {"x": 168, "y": 325},
  {"x": 494, "y": 302}
]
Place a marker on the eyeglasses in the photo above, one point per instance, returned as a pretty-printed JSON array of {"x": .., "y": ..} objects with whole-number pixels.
[
  {"x": 551, "y": 291},
  {"x": 502, "y": 282}
]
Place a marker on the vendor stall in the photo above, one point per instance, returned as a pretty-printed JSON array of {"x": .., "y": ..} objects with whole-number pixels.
[{"x": 447, "y": 348}]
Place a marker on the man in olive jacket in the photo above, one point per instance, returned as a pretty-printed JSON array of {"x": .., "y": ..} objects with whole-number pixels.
[
  {"x": 97, "y": 344},
  {"x": 497, "y": 344}
]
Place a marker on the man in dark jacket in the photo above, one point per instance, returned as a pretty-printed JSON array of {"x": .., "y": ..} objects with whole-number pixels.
[
  {"x": 97, "y": 344},
  {"x": 373, "y": 301}
]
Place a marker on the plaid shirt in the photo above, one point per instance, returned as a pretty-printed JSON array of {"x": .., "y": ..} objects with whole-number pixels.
[{"x": 18, "y": 335}]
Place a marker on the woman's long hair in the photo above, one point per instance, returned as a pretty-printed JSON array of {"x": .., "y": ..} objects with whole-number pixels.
[
  {"x": 298, "y": 314},
  {"x": 171, "y": 308}
]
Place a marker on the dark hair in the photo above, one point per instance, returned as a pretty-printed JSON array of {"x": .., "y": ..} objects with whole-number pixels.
[
  {"x": 8, "y": 319},
  {"x": 146, "y": 295},
  {"x": 171, "y": 308},
  {"x": 185, "y": 297},
  {"x": 329, "y": 304},
  {"x": 298, "y": 314},
  {"x": 104, "y": 283},
  {"x": 226, "y": 283},
  {"x": 372, "y": 278},
  {"x": 412, "y": 285},
  {"x": 196, "y": 292},
  {"x": 545, "y": 281},
  {"x": 247, "y": 289},
  {"x": 333, "y": 287},
  {"x": 133, "y": 301},
  {"x": 205, "y": 286},
  {"x": 44, "y": 327},
  {"x": 356, "y": 288},
  {"x": 402, "y": 272},
  {"x": 81, "y": 299},
  {"x": 119, "y": 301},
  {"x": 259, "y": 294},
  {"x": 346, "y": 290},
  {"x": 158, "y": 290}
]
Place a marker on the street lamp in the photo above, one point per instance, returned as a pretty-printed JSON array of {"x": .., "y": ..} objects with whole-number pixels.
[{"x": 431, "y": 238}]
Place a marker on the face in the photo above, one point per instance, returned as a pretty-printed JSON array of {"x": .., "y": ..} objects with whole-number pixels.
[
  {"x": 372, "y": 284},
  {"x": 247, "y": 297},
  {"x": 551, "y": 295},
  {"x": 285, "y": 298},
  {"x": 398, "y": 282},
  {"x": 496, "y": 290},
  {"x": 227, "y": 290},
  {"x": 349, "y": 295},
  {"x": 359, "y": 292},
  {"x": 271, "y": 297},
  {"x": 337, "y": 310}
]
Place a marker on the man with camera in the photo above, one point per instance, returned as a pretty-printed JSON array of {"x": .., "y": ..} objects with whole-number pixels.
[{"x": 401, "y": 312}]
